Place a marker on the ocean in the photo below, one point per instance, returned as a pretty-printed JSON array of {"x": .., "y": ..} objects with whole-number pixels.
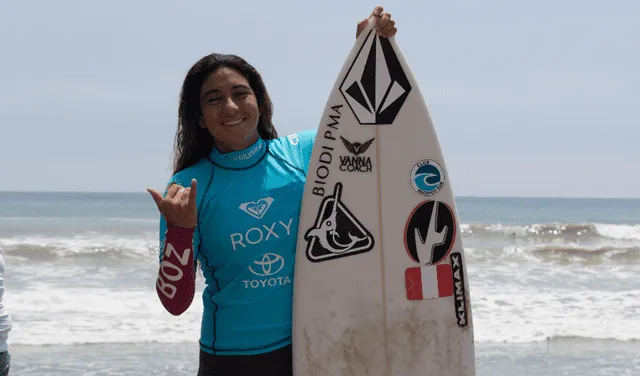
[{"x": 555, "y": 286}]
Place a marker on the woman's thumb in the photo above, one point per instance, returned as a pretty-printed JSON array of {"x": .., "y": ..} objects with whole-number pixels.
[{"x": 157, "y": 197}]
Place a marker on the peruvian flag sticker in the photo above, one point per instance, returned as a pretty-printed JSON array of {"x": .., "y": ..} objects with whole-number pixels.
[{"x": 429, "y": 282}]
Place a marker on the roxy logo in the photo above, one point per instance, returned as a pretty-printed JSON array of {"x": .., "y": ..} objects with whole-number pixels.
[
  {"x": 264, "y": 233},
  {"x": 257, "y": 209},
  {"x": 355, "y": 161},
  {"x": 376, "y": 88},
  {"x": 268, "y": 266}
]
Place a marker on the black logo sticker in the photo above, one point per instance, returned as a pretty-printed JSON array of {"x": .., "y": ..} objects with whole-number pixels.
[
  {"x": 375, "y": 93},
  {"x": 336, "y": 232},
  {"x": 459, "y": 295},
  {"x": 356, "y": 162},
  {"x": 430, "y": 232}
]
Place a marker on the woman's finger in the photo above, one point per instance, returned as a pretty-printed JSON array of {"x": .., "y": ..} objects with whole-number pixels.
[
  {"x": 388, "y": 28},
  {"x": 172, "y": 191},
  {"x": 193, "y": 190},
  {"x": 361, "y": 25},
  {"x": 377, "y": 11},
  {"x": 157, "y": 197}
]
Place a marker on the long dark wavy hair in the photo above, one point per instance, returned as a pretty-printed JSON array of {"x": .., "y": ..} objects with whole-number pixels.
[{"x": 193, "y": 142}]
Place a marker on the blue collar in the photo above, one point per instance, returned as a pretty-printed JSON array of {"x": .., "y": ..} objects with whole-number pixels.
[{"x": 240, "y": 159}]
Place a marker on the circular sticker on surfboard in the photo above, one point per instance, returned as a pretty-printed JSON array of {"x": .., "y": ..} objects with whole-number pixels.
[{"x": 427, "y": 177}]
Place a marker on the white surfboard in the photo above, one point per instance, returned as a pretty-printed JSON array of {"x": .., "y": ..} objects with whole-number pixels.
[{"x": 380, "y": 282}]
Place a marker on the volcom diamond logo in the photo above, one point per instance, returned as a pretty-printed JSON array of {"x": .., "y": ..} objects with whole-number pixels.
[
  {"x": 257, "y": 209},
  {"x": 375, "y": 86}
]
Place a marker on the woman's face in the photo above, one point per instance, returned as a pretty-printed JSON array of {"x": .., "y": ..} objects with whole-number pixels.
[{"x": 230, "y": 110}]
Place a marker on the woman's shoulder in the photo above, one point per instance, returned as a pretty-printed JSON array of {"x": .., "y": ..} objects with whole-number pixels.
[
  {"x": 301, "y": 141},
  {"x": 295, "y": 148},
  {"x": 198, "y": 171}
]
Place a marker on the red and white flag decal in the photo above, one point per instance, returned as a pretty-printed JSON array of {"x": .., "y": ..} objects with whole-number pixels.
[{"x": 429, "y": 282}]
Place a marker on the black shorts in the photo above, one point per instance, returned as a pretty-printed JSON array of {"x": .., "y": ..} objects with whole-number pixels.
[
  {"x": 5, "y": 362},
  {"x": 274, "y": 363}
]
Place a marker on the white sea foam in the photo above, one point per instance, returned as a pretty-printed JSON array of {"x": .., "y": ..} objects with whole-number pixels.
[
  {"x": 88, "y": 243},
  {"x": 52, "y": 316}
]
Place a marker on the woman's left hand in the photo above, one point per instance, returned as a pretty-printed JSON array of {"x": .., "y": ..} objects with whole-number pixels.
[{"x": 385, "y": 26}]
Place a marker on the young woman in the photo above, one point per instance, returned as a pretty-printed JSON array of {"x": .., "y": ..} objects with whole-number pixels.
[{"x": 232, "y": 205}]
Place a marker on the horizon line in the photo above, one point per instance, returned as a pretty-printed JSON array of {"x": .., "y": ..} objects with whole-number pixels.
[{"x": 455, "y": 196}]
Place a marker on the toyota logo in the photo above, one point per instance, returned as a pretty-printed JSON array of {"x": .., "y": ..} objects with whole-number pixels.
[{"x": 269, "y": 264}]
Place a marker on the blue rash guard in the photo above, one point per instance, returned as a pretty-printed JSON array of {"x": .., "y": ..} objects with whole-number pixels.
[{"x": 248, "y": 205}]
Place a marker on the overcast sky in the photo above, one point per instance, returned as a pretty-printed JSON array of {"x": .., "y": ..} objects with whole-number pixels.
[{"x": 528, "y": 98}]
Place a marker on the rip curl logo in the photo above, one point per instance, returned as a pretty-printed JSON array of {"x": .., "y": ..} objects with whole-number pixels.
[
  {"x": 376, "y": 86},
  {"x": 257, "y": 209},
  {"x": 337, "y": 232}
]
